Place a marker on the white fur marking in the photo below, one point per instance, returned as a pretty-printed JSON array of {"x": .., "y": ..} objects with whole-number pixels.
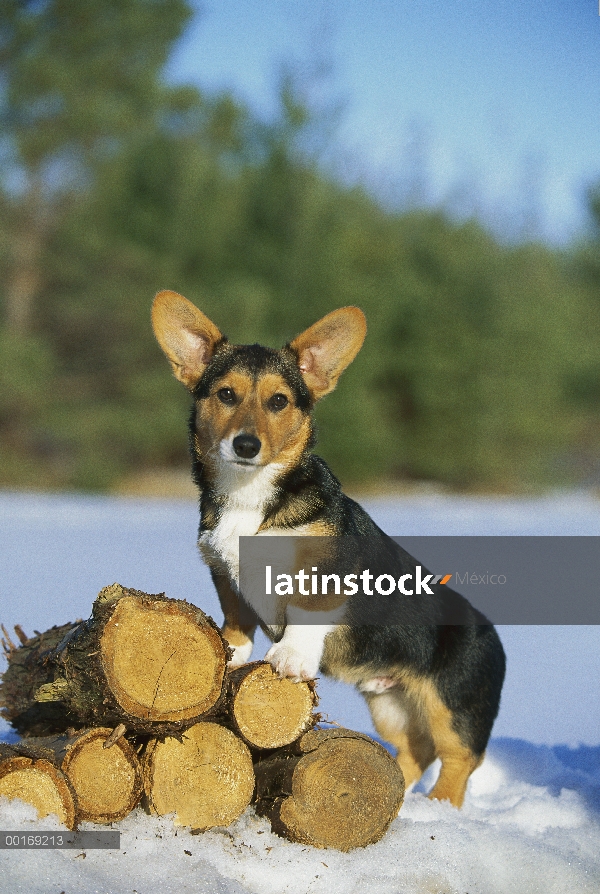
[
  {"x": 298, "y": 654},
  {"x": 241, "y": 654},
  {"x": 377, "y": 684},
  {"x": 248, "y": 489},
  {"x": 386, "y": 709}
]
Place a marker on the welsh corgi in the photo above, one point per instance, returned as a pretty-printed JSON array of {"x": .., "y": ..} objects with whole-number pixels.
[{"x": 432, "y": 685}]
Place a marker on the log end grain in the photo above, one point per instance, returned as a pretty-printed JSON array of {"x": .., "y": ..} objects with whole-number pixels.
[
  {"x": 40, "y": 784},
  {"x": 340, "y": 790},
  {"x": 163, "y": 659},
  {"x": 107, "y": 781},
  {"x": 206, "y": 778},
  {"x": 270, "y": 711}
]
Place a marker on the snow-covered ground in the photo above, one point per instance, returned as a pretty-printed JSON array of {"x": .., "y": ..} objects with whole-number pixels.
[{"x": 531, "y": 820}]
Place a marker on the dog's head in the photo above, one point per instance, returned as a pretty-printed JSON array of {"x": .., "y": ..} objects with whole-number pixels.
[{"x": 253, "y": 403}]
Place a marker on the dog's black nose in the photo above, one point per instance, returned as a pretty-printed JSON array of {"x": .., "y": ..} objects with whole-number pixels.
[{"x": 246, "y": 446}]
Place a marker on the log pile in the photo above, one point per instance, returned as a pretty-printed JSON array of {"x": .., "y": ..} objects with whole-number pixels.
[{"x": 137, "y": 704}]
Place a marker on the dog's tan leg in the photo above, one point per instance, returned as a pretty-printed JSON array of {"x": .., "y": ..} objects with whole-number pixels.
[
  {"x": 398, "y": 720},
  {"x": 458, "y": 760},
  {"x": 239, "y": 621},
  {"x": 457, "y": 766}
]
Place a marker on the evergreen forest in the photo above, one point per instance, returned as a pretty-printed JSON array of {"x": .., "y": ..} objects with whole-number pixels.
[{"x": 481, "y": 367}]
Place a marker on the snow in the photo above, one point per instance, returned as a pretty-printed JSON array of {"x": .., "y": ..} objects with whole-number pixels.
[
  {"x": 529, "y": 824},
  {"x": 531, "y": 819}
]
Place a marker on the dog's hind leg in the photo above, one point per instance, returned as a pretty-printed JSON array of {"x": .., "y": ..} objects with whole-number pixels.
[
  {"x": 457, "y": 765},
  {"x": 414, "y": 720},
  {"x": 398, "y": 720},
  {"x": 458, "y": 759}
]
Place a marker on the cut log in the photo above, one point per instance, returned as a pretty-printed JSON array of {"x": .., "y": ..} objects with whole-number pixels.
[
  {"x": 107, "y": 781},
  {"x": 332, "y": 788},
  {"x": 269, "y": 711},
  {"x": 205, "y": 778},
  {"x": 152, "y": 663},
  {"x": 27, "y": 671},
  {"x": 37, "y": 782}
]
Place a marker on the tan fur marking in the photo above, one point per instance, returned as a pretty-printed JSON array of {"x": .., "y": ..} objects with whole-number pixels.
[
  {"x": 320, "y": 528},
  {"x": 309, "y": 553},
  {"x": 412, "y": 738},
  {"x": 234, "y": 636},
  {"x": 458, "y": 761},
  {"x": 238, "y": 627},
  {"x": 414, "y": 752},
  {"x": 283, "y": 434}
]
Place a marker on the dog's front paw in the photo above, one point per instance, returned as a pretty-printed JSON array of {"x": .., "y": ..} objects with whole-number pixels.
[
  {"x": 289, "y": 662},
  {"x": 241, "y": 654}
]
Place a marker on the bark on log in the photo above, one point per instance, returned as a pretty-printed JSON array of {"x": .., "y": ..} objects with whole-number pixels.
[
  {"x": 205, "y": 778},
  {"x": 107, "y": 781},
  {"x": 332, "y": 788},
  {"x": 154, "y": 664},
  {"x": 266, "y": 710},
  {"x": 37, "y": 782},
  {"x": 27, "y": 671}
]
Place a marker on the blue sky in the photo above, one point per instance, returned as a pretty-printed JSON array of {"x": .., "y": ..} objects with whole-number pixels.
[{"x": 501, "y": 99}]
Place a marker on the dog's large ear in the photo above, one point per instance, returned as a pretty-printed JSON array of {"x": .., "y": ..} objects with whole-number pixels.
[
  {"x": 187, "y": 337},
  {"x": 328, "y": 347}
]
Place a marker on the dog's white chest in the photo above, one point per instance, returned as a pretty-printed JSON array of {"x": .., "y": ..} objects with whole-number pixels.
[
  {"x": 242, "y": 516},
  {"x": 223, "y": 541}
]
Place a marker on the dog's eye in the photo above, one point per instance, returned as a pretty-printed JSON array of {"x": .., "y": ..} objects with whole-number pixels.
[
  {"x": 278, "y": 402},
  {"x": 226, "y": 395}
]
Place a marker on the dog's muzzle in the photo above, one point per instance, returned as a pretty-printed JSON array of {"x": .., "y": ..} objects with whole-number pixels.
[{"x": 246, "y": 446}]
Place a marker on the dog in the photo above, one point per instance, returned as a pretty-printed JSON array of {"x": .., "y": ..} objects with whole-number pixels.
[{"x": 430, "y": 669}]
